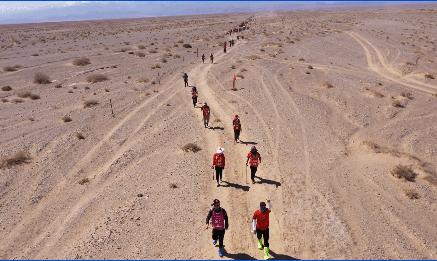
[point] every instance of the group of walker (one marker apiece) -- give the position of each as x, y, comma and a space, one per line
217, 216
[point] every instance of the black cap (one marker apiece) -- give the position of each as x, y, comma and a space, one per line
215, 201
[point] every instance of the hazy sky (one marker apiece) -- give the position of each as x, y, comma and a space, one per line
46, 11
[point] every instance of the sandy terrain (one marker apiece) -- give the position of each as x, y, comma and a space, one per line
341, 104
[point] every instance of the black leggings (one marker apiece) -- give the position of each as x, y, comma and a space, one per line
194, 100
218, 235
236, 135
186, 82
265, 234
252, 172
218, 173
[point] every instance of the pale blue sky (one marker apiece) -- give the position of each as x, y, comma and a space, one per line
47, 11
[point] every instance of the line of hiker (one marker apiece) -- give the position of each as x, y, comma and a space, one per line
219, 220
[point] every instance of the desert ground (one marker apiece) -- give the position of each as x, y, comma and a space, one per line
341, 104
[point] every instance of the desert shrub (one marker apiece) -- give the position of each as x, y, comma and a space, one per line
301, 60
27, 94
143, 80
181, 41
90, 103
153, 51
407, 95
156, 66
81, 61
429, 76
66, 118
140, 54
57, 86
173, 186
240, 76
253, 57
176, 56
80, 136
84, 181
95, 78
191, 147
397, 104
141, 47
233, 67
187, 45
41, 78
6, 88
163, 60
11, 68
327, 85
404, 172
17, 100
18, 158
310, 67
412, 194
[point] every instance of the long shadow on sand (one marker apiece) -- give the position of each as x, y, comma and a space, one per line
216, 128
234, 185
238, 256
282, 257
248, 142
268, 181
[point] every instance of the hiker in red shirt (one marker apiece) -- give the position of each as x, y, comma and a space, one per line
237, 128
206, 112
253, 159
194, 95
260, 226
218, 161
219, 223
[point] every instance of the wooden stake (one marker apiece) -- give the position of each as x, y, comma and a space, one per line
112, 110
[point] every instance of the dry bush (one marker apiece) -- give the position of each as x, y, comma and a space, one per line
412, 194
181, 41
240, 76
310, 67
140, 54
11, 68
81, 61
4, 100
173, 186
253, 57
80, 136
66, 118
397, 104
156, 66
27, 94
17, 100
14, 160
90, 103
243, 70
153, 51
95, 78
6, 88
404, 172
372, 146
233, 67
143, 80
176, 56
84, 181
141, 47
407, 95
163, 60
41, 78
429, 76
187, 45
301, 60
57, 86
191, 147
327, 85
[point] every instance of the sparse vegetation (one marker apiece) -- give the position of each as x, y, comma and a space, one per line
66, 118
90, 103
327, 85
143, 80
18, 158
41, 78
173, 186
95, 78
397, 104
412, 194
11, 68
191, 147
187, 45
404, 172
81, 61
57, 86
156, 66
84, 181
140, 54
429, 76
6, 88
239, 75
407, 95
27, 94
141, 47
80, 136
253, 57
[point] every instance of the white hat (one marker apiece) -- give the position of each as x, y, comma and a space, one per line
220, 150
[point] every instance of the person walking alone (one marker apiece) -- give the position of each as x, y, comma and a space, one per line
206, 113
253, 159
237, 128
224, 47
203, 58
219, 222
211, 58
218, 162
194, 95
260, 227
185, 77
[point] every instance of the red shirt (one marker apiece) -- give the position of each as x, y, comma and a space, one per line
218, 160
205, 110
237, 124
254, 161
262, 219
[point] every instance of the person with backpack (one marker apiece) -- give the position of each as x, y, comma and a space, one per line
185, 77
237, 128
260, 227
254, 159
203, 58
219, 223
194, 95
218, 162
206, 113
211, 58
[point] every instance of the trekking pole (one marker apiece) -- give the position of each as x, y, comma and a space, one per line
212, 174
112, 111
246, 174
